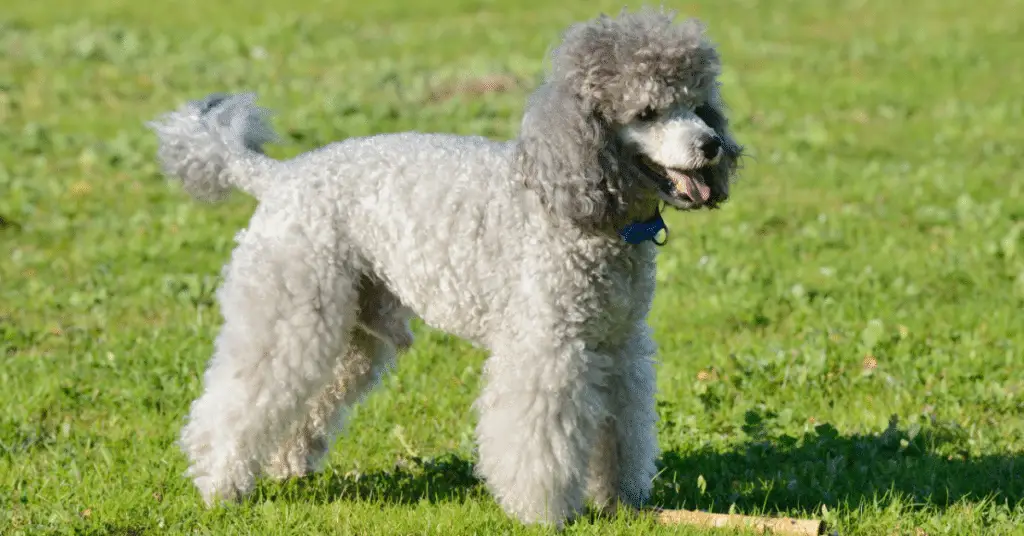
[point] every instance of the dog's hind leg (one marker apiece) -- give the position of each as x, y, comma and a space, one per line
383, 332
367, 360
289, 302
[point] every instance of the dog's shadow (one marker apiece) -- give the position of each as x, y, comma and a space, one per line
447, 478
925, 468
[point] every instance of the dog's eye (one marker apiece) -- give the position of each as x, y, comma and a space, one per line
648, 114
707, 114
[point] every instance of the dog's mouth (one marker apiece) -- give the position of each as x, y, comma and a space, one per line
684, 189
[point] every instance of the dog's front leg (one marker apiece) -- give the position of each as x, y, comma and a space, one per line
539, 413
623, 465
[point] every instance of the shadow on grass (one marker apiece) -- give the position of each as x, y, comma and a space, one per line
782, 473
447, 478
926, 468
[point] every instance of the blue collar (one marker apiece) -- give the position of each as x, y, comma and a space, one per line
642, 231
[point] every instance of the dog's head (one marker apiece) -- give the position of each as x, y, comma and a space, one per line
630, 115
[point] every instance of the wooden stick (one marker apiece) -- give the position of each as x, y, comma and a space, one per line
761, 525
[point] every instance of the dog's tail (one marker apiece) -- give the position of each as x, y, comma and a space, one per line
216, 144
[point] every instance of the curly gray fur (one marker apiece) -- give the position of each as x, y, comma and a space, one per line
604, 73
202, 142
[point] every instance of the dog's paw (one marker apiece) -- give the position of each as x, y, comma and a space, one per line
220, 491
531, 511
225, 482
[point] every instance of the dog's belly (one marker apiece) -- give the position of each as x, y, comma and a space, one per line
459, 287
447, 302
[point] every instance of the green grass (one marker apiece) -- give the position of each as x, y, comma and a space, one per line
881, 214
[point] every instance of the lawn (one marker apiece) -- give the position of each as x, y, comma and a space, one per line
844, 340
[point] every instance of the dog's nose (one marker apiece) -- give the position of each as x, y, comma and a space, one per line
711, 147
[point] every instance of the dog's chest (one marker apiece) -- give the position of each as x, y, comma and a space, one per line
615, 292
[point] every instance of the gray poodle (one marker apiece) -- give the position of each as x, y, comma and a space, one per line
541, 250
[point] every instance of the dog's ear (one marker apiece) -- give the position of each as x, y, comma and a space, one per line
567, 155
713, 114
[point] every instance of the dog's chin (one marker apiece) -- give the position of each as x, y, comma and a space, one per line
682, 189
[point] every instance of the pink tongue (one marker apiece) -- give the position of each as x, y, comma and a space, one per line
703, 193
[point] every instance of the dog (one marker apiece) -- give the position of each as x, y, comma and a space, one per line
540, 250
